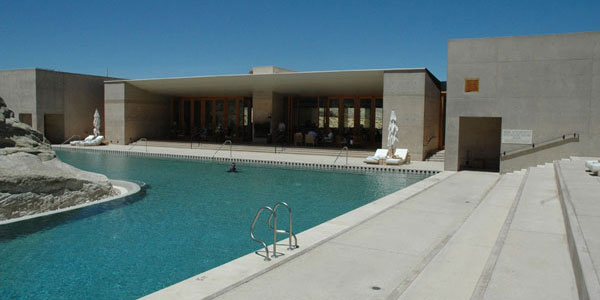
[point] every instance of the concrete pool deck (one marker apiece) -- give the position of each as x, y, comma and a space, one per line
252, 153
530, 234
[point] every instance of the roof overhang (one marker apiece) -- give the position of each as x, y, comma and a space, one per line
349, 82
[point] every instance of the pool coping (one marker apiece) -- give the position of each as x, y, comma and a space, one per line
310, 165
223, 278
130, 188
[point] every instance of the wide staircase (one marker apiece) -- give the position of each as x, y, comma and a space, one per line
512, 246
439, 156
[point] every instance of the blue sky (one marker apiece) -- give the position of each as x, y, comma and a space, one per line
148, 39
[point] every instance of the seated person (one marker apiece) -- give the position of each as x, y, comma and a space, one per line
313, 133
232, 169
329, 137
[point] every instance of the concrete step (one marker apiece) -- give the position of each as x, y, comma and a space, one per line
438, 156
454, 273
533, 261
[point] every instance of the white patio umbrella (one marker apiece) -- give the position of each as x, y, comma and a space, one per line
392, 133
96, 123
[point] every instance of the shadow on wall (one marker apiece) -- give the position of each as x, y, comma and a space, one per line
479, 143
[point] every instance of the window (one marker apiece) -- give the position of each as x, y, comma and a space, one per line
365, 113
349, 113
471, 85
379, 114
334, 110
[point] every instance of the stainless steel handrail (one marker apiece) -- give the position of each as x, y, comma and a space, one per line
69, 139
290, 232
274, 232
531, 146
224, 143
339, 153
140, 140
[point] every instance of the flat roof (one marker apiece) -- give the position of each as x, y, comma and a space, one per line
343, 82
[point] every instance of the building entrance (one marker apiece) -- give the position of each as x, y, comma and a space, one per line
213, 119
479, 143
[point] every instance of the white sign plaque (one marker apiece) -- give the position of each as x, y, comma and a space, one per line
517, 136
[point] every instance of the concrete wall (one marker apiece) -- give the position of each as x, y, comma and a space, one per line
133, 113
415, 100
83, 94
549, 84
146, 114
17, 88
44, 92
50, 95
431, 116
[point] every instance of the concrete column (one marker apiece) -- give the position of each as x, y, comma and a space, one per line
114, 112
262, 108
404, 93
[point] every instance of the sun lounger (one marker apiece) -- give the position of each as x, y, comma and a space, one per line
595, 168
79, 143
95, 142
588, 164
400, 157
379, 157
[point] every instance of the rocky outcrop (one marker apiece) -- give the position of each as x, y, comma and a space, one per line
33, 180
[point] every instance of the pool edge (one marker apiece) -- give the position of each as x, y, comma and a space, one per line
131, 188
221, 279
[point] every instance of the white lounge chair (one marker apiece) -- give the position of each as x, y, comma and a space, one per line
401, 156
595, 168
79, 143
379, 157
589, 163
95, 142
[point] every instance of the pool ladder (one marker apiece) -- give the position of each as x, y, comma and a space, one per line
273, 226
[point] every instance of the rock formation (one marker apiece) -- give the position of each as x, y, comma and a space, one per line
33, 180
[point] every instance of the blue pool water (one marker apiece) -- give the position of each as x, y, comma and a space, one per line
194, 216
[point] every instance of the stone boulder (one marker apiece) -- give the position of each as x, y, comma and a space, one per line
33, 180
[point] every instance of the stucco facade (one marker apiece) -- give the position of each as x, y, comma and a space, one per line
549, 84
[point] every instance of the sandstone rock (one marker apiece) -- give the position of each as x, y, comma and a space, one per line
33, 180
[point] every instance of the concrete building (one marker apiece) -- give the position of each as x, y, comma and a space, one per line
58, 104
272, 104
515, 102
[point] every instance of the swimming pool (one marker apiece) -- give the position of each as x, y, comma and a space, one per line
194, 216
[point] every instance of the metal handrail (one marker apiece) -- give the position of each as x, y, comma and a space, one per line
69, 139
563, 137
290, 232
226, 142
140, 140
274, 232
339, 153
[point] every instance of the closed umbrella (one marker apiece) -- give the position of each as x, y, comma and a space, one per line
96, 123
392, 133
